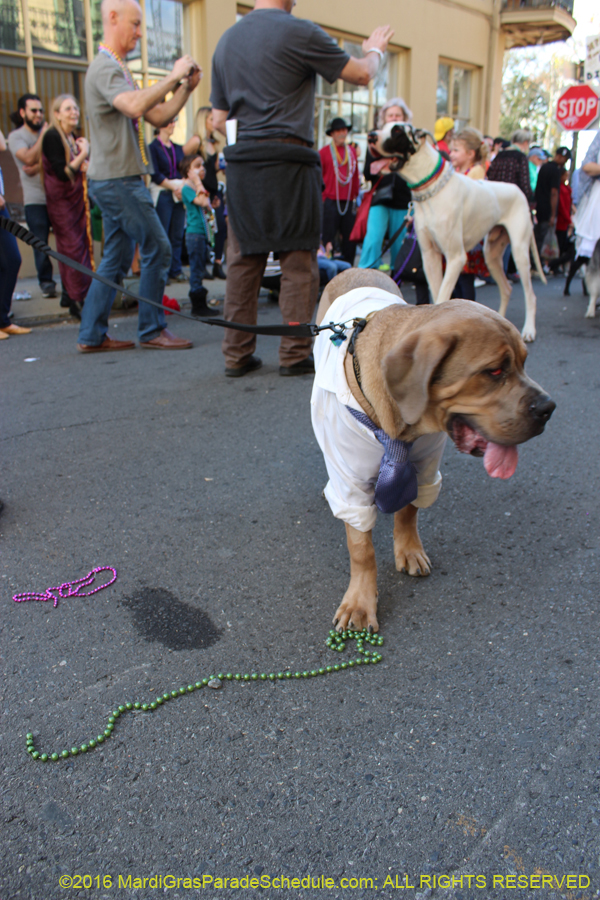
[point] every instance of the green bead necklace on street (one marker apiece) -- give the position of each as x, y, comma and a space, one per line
335, 641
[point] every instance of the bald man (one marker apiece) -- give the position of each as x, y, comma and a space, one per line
119, 159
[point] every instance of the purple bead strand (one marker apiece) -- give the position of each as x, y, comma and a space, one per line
70, 588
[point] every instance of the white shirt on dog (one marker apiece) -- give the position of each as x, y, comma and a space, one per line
352, 452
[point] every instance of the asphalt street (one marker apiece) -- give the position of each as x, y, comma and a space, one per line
465, 764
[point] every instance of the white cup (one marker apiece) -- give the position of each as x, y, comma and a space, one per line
231, 129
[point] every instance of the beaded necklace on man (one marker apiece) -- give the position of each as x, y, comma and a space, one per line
139, 122
341, 179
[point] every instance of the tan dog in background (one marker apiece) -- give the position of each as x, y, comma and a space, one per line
455, 368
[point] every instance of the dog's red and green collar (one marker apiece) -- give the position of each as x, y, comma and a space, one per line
433, 176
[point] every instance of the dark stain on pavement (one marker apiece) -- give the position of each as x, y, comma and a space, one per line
159, 616
52, 813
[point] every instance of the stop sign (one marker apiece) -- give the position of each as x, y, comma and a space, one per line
577, 107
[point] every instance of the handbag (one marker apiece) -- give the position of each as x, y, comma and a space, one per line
359, 229
385, 193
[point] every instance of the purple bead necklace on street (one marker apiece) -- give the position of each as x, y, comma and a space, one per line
70, 588
335, 641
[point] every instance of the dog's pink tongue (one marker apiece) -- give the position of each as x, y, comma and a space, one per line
499, 461
378, 164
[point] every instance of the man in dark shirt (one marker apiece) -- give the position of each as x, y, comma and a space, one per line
547, 191
264, 72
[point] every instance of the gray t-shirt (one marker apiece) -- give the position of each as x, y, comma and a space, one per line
264, 71
114, 147
33, 189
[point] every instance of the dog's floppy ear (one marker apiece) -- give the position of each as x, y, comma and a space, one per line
421, 133
409, 368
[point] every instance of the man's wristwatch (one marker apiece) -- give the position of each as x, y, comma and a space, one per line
377, 50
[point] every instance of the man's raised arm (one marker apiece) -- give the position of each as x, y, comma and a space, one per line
361, 71
143, 102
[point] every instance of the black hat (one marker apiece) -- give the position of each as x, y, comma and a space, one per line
337, 124
563, 151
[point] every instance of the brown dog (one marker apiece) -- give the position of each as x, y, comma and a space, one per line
417, 371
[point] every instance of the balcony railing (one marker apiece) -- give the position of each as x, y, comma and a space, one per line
54, 33
515, 5
165, 32
11, 28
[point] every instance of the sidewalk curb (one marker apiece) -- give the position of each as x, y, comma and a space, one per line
67, 319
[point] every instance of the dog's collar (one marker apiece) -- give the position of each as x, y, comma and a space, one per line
430, 186
359, 325
431, 177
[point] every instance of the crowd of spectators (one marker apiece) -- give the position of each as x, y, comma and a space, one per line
53, 167
185, 212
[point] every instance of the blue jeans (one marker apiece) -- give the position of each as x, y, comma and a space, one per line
382, 220
36, 216
331, 267
196, 248
10, 263
129, 218
172, 219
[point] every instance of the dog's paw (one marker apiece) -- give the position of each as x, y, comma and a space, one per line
591, 313
355, 614
528, 335
413, 561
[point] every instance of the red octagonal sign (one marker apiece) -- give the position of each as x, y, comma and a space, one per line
577, 107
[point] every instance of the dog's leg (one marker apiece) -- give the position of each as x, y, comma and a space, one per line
493, 251
358, 609
454, 265
432, 263
520, 252
591, 310
408, 550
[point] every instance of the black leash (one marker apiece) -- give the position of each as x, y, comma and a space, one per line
386, 246
292, 330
